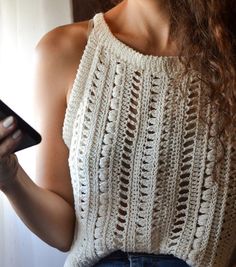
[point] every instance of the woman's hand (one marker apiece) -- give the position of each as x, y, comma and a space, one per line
10, 137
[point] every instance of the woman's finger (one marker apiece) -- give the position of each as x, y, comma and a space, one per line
9, 144
7, 126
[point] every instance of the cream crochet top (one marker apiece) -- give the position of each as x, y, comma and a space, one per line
141, 162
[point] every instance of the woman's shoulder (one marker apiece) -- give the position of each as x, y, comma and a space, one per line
66, 39
60, 51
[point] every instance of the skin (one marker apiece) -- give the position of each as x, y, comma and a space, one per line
46, 206
137, 20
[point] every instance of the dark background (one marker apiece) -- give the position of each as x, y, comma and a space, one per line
86, 9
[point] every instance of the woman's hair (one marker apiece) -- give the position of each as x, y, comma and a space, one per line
205, 32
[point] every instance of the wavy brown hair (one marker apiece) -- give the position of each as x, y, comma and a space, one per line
208, 29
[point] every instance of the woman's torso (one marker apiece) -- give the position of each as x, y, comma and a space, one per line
141, 162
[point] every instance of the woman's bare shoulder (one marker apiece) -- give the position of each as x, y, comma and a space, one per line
66, 39
60, 51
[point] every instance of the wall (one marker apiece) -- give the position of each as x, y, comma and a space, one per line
22, 24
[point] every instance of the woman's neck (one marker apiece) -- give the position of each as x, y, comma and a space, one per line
145, 19
148, 12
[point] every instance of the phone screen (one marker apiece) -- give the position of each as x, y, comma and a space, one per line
30, 136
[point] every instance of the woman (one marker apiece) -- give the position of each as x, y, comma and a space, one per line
148, 125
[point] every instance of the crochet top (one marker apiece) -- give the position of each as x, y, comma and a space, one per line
141, 161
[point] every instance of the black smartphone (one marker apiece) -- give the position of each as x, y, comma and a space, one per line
30, 136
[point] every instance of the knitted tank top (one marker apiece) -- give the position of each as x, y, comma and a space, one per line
141, 162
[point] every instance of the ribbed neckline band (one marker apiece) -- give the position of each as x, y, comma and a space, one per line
128, 54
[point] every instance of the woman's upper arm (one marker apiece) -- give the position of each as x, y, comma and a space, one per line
57, 57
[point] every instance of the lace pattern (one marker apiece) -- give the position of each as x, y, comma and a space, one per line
142, 162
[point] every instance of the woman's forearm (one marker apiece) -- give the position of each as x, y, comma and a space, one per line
47, 214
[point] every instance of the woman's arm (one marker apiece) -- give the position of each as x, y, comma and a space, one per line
47, 214
47, 207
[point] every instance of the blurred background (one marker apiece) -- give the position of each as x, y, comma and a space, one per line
22, 24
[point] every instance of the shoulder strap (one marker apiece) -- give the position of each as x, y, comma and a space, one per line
90, 27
